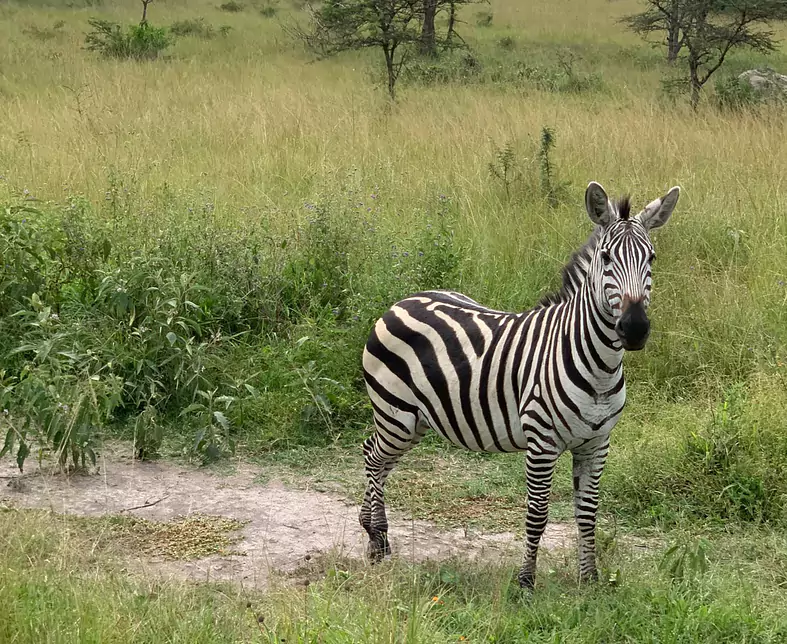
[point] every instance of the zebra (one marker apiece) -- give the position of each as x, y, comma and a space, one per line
543, 381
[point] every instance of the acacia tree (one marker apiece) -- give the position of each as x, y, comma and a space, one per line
389, 25
431, 9
660, 16
428, 43
709, 29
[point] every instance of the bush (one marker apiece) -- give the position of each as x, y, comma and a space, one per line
732, 94
46, 33
484, 18
225, 328
138, 42
729, 469
231, 6
268, 10
196, 27
507, 42
459, 68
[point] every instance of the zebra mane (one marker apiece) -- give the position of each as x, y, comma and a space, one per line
576, 270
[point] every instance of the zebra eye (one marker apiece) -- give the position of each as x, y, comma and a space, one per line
605, 257
652, 258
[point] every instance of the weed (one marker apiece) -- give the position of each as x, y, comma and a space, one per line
505, 167
686, 561
552, 190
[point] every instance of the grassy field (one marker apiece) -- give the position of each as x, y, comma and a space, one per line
216, 231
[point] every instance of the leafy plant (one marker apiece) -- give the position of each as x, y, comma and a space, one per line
62, 395
213, 438
686, 561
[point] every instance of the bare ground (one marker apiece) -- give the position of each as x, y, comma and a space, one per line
286, 527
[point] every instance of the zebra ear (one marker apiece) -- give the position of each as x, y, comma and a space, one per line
658, 211
597, 205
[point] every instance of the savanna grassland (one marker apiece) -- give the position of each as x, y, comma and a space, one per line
195, 248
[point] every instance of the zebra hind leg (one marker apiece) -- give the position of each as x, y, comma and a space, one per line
381, 452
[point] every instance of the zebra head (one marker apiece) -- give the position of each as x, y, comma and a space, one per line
620, 269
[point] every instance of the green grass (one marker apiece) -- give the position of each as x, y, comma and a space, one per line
63, 582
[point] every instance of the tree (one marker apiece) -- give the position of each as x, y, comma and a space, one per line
660, 16
145, 4
428, 32
709, 29
345, 25
397, 27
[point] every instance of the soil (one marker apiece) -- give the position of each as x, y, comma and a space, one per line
286, 530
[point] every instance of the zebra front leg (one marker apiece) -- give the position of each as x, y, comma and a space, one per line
540, 467
589, 460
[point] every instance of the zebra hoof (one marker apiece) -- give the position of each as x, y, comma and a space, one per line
526, 580
589, 577
378, 548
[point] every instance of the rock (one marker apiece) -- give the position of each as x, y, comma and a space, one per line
765, 81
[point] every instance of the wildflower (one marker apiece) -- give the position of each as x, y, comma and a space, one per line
462, 638
435, 599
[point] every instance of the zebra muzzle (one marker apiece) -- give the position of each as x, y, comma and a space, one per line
633, 326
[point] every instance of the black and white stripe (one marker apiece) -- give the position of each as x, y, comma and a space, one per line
541, 382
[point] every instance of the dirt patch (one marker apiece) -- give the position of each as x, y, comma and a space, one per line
283, 528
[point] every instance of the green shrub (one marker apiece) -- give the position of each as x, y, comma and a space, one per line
484, 18
732, 94
154, 328
138, 42
268, 10
196, 27
730, 469
231, 6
